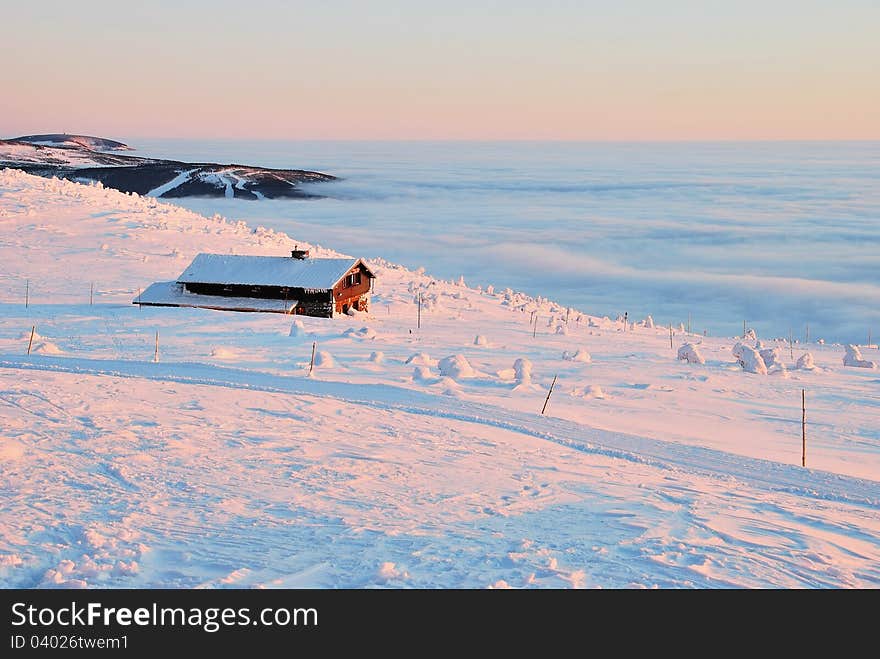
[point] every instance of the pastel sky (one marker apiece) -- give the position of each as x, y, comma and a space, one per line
340, 69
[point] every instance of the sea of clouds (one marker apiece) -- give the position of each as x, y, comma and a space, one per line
778, 234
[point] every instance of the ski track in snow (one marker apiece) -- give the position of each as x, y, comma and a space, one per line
756, 473
170, 185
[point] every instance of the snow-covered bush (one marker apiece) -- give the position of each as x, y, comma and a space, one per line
805, 362
750, 359
689, 353
522, 370
853, 357
580, 355
421, 359
455, 367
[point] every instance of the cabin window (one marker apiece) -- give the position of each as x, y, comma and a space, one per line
353, 279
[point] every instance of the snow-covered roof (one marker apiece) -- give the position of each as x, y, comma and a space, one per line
172, 294
266, 271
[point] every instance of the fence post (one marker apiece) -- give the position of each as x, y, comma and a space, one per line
803, 427
312, 363
31, 341
547, 400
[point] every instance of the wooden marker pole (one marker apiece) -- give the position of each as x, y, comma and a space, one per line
31, 342
27, 292
670, 337
156, 354
91, 293
535, 329
744, 328
312, 363
803, 427
419, 320
790, 343
547, 400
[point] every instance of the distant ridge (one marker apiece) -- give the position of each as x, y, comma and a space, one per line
86, 158
87, 141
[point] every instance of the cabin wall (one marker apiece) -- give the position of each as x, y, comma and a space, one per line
346, 295
311, 302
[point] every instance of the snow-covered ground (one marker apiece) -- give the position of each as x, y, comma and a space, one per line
413, 456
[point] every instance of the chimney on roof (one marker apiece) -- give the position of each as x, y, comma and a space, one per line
297, 253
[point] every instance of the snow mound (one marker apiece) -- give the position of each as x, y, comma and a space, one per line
324, 359
421, 359
750, 359
297, 329
362, 333
422, 374
388, 571
456, 367
853, 357
26, 336
690, 354
648, 322
589, 391
580, 355
224, 353
805, 362
522, 371
480, 340
47, 348
377, 357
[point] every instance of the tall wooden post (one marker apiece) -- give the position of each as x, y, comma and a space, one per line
91, 293
419, 320
670, 337
790, 343
547, 400
27, 292
744, 328
312, 363
156, 354
31, 341
803, 427
535, 328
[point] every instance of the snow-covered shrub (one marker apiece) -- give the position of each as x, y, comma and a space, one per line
805, 362
324, 359
591, 391
455, 367
689, 353
421, 359
362, 333
853, 357
422, 373
750, 359
297, 328
580, 355
522, 371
